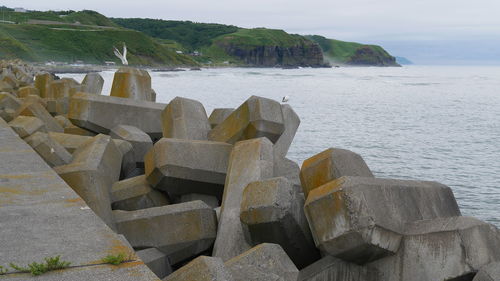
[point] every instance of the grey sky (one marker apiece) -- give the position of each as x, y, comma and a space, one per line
391, 22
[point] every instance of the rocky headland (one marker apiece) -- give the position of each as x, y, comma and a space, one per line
120, 187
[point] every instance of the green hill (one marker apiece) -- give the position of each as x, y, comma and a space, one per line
86, 36
220, 44
352, 53
190, 35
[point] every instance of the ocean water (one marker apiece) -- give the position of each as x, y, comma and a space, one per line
418, 122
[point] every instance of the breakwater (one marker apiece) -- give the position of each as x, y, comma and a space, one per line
201, 195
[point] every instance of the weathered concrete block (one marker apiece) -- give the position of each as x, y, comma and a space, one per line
202, 268
273, 211
156, 261
284, 167
5, 87
218, 115
102, 113
63, 121
442, 249
263, 262
332, 269
92, 83
51, 151
9, 101
361, 219
135, 194
141, 142
27, 125
95, 167
490, 272
132, 83
35, 99
292, 122
187, 166
60, 88
256, 117
42, 82
69, 141
194, 231
69, 128
28, 90
329, 165
9, 104
37, 110
250, 161
185, 119
128, 159
210, 200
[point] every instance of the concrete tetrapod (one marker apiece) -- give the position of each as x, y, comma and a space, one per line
185, 119
180, 167
28, 90
330, 268
27, 125
218, 115
490, 272
135, 194
331, 164
202, 268
42, 82
449, 249
95, 167
273, 211
181, 230
102, 113
256, 117
37, 110
292, 122
261, 263
141, 142
156, 261
361, 219
92, 83
51, 151
250, 161
284, 167
132, 83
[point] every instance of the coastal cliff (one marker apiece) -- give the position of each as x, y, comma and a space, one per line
270, 48
352, 53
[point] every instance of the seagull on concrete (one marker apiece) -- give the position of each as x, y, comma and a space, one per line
121, 56
285, 99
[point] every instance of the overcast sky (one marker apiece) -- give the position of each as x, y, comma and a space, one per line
397, 24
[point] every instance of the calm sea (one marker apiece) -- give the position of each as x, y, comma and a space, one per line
417, 122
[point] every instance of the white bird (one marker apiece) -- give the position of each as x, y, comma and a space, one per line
121, 56
285, 99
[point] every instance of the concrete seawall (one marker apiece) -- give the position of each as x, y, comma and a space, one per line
41, 216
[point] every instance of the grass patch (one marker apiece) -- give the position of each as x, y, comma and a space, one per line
50, 264
115, 259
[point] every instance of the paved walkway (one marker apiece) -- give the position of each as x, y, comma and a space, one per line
41, 216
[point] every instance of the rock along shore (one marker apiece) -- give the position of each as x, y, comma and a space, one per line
184, 195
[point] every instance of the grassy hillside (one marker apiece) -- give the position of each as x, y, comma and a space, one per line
190, 35
337, 51
85, 17
67, 43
